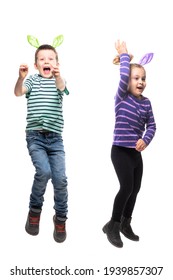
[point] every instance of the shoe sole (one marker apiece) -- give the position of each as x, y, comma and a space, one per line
129, 237
31, 233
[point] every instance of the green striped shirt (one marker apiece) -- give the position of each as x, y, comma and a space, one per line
44, 104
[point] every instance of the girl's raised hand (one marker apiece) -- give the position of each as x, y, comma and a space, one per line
121, 47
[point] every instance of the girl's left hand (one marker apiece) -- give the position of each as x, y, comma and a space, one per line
140, 145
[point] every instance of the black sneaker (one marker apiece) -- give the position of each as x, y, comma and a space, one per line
59, 233
32, 223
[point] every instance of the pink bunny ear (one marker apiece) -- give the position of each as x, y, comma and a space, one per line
146, 58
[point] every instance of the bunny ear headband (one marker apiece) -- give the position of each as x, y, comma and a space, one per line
144, 60
33, 41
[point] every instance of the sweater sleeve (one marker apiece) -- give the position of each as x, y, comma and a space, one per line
124, 76
150, 126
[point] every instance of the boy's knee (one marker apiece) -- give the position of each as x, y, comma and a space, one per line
60, 180
45, 174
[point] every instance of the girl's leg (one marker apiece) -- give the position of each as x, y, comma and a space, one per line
138, 171
125, 227
123, 165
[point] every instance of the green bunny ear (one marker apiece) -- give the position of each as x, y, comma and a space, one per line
58, 41
33, 41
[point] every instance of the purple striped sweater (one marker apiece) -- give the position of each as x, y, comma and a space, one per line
134, 117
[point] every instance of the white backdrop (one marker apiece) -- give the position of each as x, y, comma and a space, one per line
90, 29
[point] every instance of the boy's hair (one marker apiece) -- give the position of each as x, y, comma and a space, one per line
46, 47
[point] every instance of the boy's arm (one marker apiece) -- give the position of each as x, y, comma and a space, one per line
19, 89
60, 83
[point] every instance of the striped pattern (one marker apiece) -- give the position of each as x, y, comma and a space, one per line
44, 104
134, 117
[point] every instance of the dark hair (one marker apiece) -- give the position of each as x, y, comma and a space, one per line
45, 47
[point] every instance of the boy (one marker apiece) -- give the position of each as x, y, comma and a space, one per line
44, 92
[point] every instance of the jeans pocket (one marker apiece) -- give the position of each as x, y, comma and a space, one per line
30, 138
58, 138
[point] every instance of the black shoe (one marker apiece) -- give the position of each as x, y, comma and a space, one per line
32, 223
126, 229
112, 229
59, 233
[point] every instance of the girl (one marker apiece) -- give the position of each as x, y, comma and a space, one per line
134, 129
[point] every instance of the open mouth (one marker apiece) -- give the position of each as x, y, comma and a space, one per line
47, 70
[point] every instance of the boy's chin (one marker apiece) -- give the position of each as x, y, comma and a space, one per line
48, 76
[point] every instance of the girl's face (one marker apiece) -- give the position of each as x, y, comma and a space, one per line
46, 60
137, 81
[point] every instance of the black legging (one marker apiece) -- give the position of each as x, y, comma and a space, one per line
128, 165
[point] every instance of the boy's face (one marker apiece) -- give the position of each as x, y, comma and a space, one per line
46, 60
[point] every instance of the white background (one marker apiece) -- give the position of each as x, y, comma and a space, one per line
90, 29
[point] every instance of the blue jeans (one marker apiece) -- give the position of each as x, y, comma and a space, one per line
48, 157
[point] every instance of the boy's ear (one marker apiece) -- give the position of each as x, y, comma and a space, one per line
35, 65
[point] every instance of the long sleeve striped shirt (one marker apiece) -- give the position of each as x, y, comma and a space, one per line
134, 117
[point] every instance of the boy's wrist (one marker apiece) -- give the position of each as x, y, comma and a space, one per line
59, 79
21, 79
60, 83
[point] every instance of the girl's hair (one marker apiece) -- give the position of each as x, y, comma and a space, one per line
46, 47
137, 65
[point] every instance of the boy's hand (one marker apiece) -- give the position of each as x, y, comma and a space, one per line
23, 71
140, 145
56, 71
59, 80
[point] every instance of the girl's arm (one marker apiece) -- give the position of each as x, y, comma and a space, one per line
124, 68
150, 127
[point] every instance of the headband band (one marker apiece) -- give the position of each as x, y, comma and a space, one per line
144, 60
